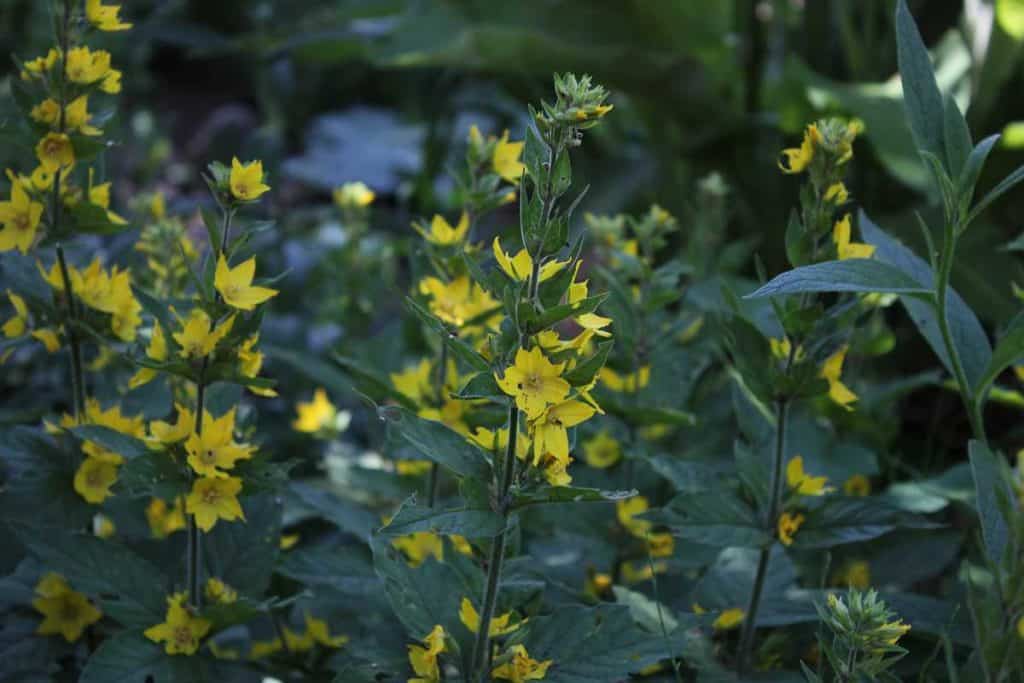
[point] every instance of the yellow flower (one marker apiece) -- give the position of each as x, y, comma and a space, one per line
65, 612
729, 619
218, 591
318, 631
894, 630
265, 648
588, 321
630, 383
499, 626
77, 117
797, 159
111, 83
661, 545
638, 572
520, 266
94, 478
837, 193
497, 441
803, 483
353, 196
214, 498
235, 284
164, 522
423, 658
1020, 627
47, 111
246, 181
420, 545
100, 196
196, 338
857, 485
155, 350
115, 420
781, 349
48, 338
412, 468
521, 667
181, 631
288, 541
17, 324
55, 151
315, 415
458, 301
534, 381
166, 433
602, 451
20, 219
415, 382
250, 362
831, 371
844, 247
441, 231
550, 430
555, 469
788, 525
215, 449
104, 17
85, 66
856, 574
506, 159
627, 510
36, 67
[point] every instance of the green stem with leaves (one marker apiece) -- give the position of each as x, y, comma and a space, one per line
775, 497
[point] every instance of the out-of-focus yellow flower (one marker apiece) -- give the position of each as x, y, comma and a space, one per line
181, 630
788, 525
521, 667
94, 478
602, 450
35, 68
506, 159
316, 415
164, 521
65, 612
500, 626
246, 180
729, 619
831, 371
441, 231
855, 574
156, 350
420, 545
105, 17
167, 433
627, 511
629, 383
803, 483
353, 196
857, 485
458, 301
218, 591
837, 193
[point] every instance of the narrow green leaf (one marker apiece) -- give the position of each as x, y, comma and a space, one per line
957, 137
850, 275
972, 167
1009, 349
1007, 184
584, 373
466, 353
987, 479
921, 97
568, 494
437, 442
468, 522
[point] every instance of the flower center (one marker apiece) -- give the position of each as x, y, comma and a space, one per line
532, 383
182, 636
21, 222
69, 611
211, 496
242, 189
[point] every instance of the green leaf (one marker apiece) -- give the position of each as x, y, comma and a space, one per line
1004, 186
968, 335
482, 385
536, 154
130, 589
348, 573
568, 494
463, 351
647, 416
957, 137
921, 97
719, 519
841, 520
972, 169
469, 522
130, 657
648, 614
584, 373
243, 554
112, 440
343, 514
437, 442
93, 219
988, 481
1009, 349
849, 275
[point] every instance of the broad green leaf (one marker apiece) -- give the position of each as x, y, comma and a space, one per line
719, 519
345, 515
584, 373
568, 494
130, 657
242, 554
129, 588
437, 442
647, 614
921, 97
113, 440
482, 385
687, 476
39, 469
988, 486
850, 275
968, 335
347, 571
841, 520
463, 351
469, 522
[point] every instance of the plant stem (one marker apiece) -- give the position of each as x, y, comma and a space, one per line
497, 557
775, 496
434, 482
195, 548
942, 278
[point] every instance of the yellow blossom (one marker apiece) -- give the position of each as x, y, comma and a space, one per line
316, 415
103, 526
48, 338
318, 631
288, 541
458, 301
415, 382
85, 66
181, 630
630, 383
218, 591
520, 266
100, 196
420, 545
729, 619
250, 362
196, 338
788, 525
65, 612
797, 159
588, 321
627, 511
214, 498
856, 574
215, 450
235, 284
506, 159
602, 450
111, 83
803, 483
246, 180
550, 430
94, 478
36, 67
163, 521
661, 545
423, 658
782, 348
831, 371
496, 441
534, 381
156, 350
17, 324
104, 17
857, 485
844, 247
441, 231
837, 193
19, 217
77, 117
500, 626
47, 111
353, 196
167, 433
521, 667
114, 419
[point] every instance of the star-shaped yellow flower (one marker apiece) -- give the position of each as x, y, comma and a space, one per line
315, 415
551, 430
214, 498
441, 231
20, 219
94, 478
788, 525
181, 630
104, 17
803, 483
215, 449
520, 266
65, 611
235, 284
506, 159
246, 180
534, 382
198, 338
